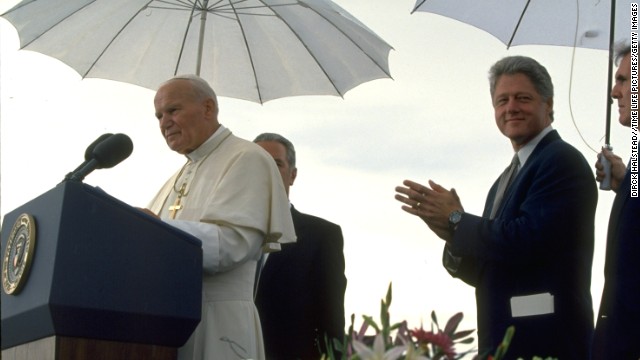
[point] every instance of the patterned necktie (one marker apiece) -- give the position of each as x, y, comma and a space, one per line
505, 180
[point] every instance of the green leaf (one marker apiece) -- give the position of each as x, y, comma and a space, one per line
384, 313
434, 319
452, 324
504, 346
369, 320
466, 341
389, 295
462, 334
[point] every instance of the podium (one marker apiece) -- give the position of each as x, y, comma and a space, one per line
103, 281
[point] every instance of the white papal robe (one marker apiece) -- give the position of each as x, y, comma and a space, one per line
236, 204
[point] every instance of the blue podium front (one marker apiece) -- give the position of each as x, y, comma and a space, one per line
100, 269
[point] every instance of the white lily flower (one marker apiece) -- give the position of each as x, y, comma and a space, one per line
378, 352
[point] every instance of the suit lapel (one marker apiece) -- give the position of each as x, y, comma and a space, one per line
549, 138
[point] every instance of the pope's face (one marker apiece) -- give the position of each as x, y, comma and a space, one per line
520, 111
621, 91
185, 119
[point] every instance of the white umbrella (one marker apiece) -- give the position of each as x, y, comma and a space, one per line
580, 23
257, 50
576, 23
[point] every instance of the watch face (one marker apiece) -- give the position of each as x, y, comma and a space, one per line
455, 217
18, 254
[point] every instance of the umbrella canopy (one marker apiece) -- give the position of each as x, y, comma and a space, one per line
256, 50
593, 24
580, 23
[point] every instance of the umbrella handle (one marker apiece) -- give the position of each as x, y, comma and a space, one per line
612, 30
605, 184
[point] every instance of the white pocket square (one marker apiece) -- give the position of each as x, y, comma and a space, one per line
536, 304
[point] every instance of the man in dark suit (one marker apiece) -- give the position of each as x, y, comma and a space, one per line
300, 292
529, 255
617, 334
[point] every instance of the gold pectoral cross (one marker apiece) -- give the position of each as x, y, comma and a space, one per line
173, 209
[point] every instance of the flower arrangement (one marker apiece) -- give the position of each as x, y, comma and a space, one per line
397, 342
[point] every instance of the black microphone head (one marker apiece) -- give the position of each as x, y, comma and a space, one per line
111, 151
88, 154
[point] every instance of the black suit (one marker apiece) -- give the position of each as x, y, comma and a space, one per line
618, 327
300, 294
541, 241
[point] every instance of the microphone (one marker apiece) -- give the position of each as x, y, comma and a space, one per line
112, 151
88, 154
106, 154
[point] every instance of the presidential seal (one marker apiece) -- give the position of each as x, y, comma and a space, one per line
18, 254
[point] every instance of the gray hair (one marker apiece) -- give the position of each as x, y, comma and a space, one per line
288, 145
537, 74
620, 51
200, 86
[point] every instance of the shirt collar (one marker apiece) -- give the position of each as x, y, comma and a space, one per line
206, 146
527, 150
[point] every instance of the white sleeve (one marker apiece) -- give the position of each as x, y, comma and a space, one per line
223, 248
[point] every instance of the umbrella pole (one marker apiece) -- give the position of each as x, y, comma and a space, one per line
605, 184
607, 133
203, 20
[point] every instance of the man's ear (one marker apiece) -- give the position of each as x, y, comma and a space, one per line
550, 108
294, 173
211, 106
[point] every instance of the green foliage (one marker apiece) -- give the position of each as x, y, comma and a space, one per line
395, 340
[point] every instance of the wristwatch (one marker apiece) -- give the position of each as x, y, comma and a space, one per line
454, 218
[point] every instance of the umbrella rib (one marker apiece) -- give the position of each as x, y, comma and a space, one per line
52, 26
114, 38
244, 38
513, 35
17, 7
417, 6
229, 13
184, 38
315, 59
219, 6
176, 3
359, 47
346, 36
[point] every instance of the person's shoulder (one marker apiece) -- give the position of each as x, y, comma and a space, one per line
316, 230
558, 158
555, 147
316, 220
243, 143
248, 148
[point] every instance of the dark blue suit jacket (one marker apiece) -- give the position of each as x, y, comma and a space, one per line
300, 295
618, 326
541, 241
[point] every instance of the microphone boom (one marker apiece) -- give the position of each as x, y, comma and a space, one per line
105, 152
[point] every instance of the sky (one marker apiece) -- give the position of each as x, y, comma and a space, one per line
433, 120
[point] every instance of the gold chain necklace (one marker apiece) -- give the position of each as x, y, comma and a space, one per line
181, 192
183, 188
177, 206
